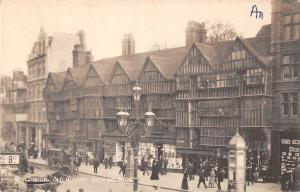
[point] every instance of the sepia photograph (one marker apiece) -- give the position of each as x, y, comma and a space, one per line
149, 96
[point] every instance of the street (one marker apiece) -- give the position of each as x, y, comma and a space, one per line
110, 180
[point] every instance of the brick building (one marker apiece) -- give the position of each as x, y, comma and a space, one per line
201, 94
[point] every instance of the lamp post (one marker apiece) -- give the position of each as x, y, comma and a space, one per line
135, 129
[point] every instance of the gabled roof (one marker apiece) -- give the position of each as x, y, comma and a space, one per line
168, 60
91, 67
209, 53
78, 74
104, 69
222, 49
259, 47
265, 30
58, 79
132, 67
133, 64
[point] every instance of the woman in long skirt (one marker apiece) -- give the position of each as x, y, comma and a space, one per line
155, 170
184, 184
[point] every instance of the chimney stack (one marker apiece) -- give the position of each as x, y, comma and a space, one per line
79, 56
89, 57
128, 44
81, 35
195, 33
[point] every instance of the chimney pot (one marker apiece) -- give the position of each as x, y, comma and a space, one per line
128, 44
195, 32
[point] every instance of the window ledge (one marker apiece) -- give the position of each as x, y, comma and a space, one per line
288, 80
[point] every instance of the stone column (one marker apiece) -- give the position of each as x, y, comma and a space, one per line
40, 140
190, 124
237, 164
27, 137
130, 160
18, 135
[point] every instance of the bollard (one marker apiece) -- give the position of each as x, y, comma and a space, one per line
68, 190
80, 190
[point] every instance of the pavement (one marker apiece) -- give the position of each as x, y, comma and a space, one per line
170, 182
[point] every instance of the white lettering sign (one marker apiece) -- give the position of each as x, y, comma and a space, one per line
9, 159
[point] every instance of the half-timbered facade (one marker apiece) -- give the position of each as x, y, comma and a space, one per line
201, 95
220, 89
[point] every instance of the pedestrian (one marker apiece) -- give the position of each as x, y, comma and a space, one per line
155, 170
190, 170
120, 165
166, 162
110, 161
124, 165
220, 177
249, 175
86, 157
184, 184
96, 165
105, 162
202, 178
290, 183
212, 178
144, 166
159, 165
72, 168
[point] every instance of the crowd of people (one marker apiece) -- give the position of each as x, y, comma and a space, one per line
290, 180
207, 172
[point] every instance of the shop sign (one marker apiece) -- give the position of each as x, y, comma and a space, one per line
289, 150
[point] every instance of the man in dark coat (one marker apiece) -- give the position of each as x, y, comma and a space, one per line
191, 171
124, 165
220, 176
96, 165
201, 178
184, 184
110, 161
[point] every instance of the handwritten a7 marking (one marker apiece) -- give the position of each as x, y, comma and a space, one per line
258, 14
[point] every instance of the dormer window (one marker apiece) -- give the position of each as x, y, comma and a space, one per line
237, 55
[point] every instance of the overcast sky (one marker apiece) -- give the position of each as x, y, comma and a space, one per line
104, 21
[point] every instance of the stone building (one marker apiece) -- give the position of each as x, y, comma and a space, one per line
48, 54
13, 108
285, 49
201, 94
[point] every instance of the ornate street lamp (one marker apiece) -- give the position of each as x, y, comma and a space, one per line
122, 120
135, 129
137, 90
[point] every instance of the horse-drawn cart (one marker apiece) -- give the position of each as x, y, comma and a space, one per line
57, 158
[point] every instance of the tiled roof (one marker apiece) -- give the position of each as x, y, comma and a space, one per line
133, 64
260, 47
79, 73
217, 53
104, 69
209, 53
167, 61
265, 30
58, 79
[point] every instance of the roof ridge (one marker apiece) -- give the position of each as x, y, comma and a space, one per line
141, 53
